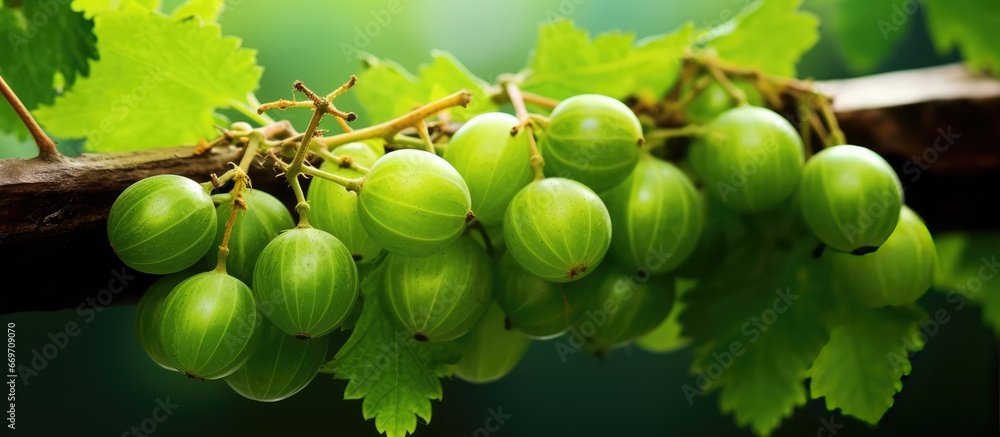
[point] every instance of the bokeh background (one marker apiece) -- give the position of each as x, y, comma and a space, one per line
102, 383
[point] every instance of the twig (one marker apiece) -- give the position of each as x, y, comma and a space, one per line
536, 162
46, 147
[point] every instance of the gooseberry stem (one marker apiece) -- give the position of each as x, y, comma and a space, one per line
536, 99
536, 161
425, 136
46, 147
836, 135
239, 204
738, 94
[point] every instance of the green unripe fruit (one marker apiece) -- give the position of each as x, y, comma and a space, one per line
617, 305
850, 198
263, 220
209, 325
413, 203
494, 164
593, 139
656, 215
334, 209
279, 367
898, 273
438, 297
162, 224
306, 282
148, 313
714, 99
749, 158
533, 305
490, 350
557, 229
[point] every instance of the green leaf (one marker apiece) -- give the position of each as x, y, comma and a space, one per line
859, 370
396, 375
206, 10
138, 98
566, 62
863, 42
667, 337
970, 25
770, 34
757, 328
387, 90
94, 7
968, 271
55, 41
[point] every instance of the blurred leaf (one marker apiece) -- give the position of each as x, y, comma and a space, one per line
138, 98
967, 271
207, 10
94, 7
396, 375
61, 44
770, 34
970, 25
868, 30
566, 62
859, 370
757, 328
387, 90
667, 337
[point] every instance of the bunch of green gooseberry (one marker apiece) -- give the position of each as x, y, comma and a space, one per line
535, 265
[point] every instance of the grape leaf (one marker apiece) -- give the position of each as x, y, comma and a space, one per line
968, 272
56, 40
137, 98
395, 375
206, 10
566, 62
667, 337
770, 34
971, 26
387, 90
757, 328
94, 7
865, 43
859, 370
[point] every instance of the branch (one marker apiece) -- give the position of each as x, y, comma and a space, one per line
46, 147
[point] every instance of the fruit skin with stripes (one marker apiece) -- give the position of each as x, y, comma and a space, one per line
657, 216
279, 367
264, 218
209, 325
490, 350
898, 273
749, 158
557, 229
335, 209
493, 163
148, 312
593, 139
851, 198
533, 305
162, 224
441, 296
413, 203
306, 282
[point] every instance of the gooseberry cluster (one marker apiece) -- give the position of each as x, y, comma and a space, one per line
487, 246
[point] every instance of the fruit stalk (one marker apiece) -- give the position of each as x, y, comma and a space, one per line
239, 204
46, 147
517, 99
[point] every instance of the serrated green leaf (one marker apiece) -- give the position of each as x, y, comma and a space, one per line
94, 7
137, 98
206, 10
859, 369
757, 329
868, 30
770, 34
396, 375
566, 62
970, 25
667, 337
387, 90
968, 270
60, 42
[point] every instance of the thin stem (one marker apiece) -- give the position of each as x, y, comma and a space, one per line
343, 88
347, 183
517, 99
536, 161
295, 168
408, 142
390, 128
689, 130
738, 94
536, 99
805, 129
46, 147
246, 108
239, 204
425, 136
836, 135
817, 125
256, 138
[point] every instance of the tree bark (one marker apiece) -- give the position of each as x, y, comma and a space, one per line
939, 127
